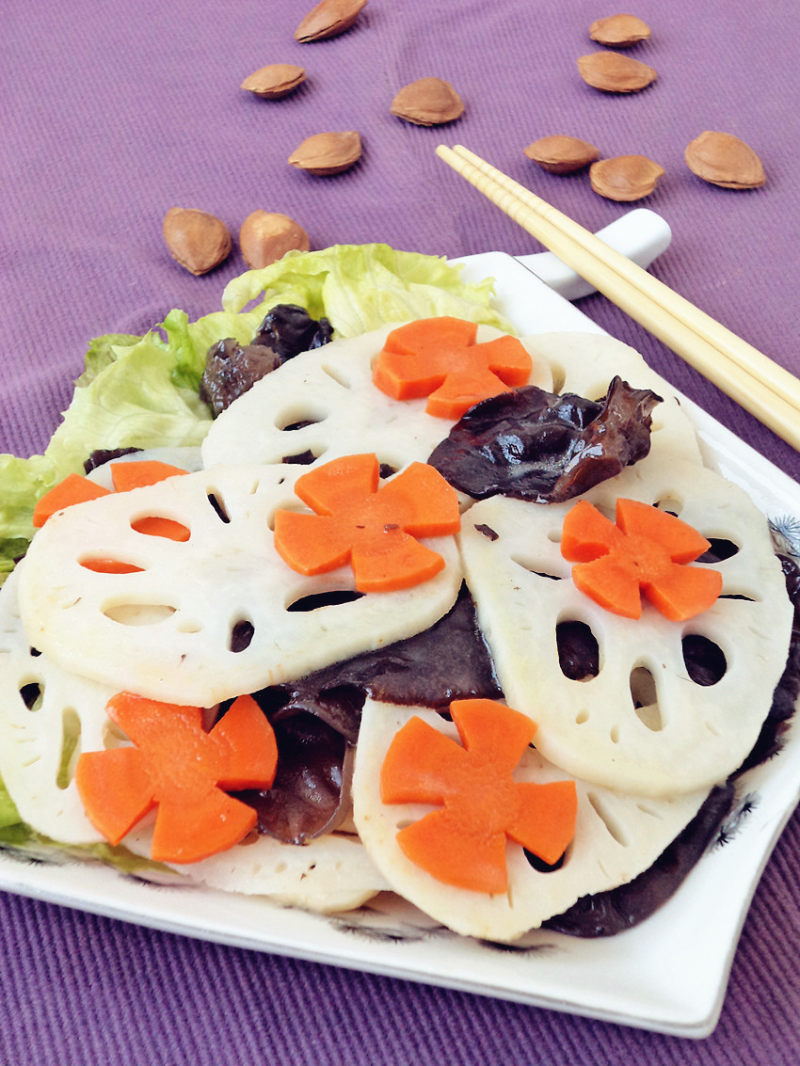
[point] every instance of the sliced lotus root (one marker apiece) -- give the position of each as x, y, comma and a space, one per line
48, 717
616, 838
323, 404
329, 874
635, 720
199, 620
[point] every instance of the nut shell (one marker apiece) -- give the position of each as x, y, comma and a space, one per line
625, 177
266, 236
199, 241
327, 153
274, 81
613, 73
428, 102
328, 19
561, 154
724, 160
619, 31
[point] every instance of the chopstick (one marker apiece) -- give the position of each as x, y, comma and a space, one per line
759, 385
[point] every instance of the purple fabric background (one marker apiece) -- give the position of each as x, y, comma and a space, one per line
112, 113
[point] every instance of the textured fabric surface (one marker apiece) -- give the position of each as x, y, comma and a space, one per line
112, 113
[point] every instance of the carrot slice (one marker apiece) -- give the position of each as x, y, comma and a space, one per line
373, 527
141, 472
330, 487
181, 770
440, 358
156, 526
73, 489
480, 806
646, 552
99, 565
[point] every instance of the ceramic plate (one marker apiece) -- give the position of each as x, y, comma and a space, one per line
669, 974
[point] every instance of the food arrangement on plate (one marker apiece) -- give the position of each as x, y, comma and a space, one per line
390, 600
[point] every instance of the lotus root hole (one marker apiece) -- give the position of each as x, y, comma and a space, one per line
297, 417
113, 736
303, 458
70, 747
543, 867
536, 567
158, 526
242, 633
218, 506
670, 504
704, 660
721, 549
318, 600
645, 699
32, 695
139, 614
559, 377
578, 650
335, 374
103, 565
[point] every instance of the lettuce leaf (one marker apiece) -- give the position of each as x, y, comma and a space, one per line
9, 815
360, 287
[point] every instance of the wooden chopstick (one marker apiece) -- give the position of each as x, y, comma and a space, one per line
758, 384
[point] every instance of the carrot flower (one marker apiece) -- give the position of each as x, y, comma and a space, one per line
439, 358
481, 806
373, 528
177, 767
646, 552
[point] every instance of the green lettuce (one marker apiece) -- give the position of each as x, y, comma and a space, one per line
9, 817
360, 287
142, 392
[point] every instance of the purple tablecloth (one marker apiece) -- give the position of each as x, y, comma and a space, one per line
114, 112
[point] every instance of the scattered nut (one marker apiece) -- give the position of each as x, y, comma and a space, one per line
625, 177
328, 19
267, 236
428, 102
274, 81
619, 31
562, 155
613, 73
197, 240
327, 153
722, 159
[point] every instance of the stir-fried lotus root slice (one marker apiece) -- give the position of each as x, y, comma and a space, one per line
323, 403
616, 837
619, 701
329, 874
47, 717
203, 619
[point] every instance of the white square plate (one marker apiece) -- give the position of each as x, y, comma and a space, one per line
668, 974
